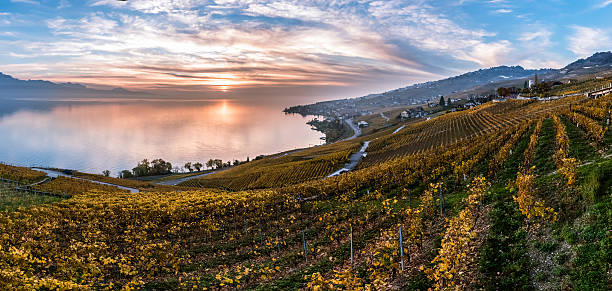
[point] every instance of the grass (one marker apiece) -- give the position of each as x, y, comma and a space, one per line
590, 233
514, 161
543, 160
503, 262
11, 199
580, 147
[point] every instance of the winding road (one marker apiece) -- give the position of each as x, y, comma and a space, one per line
398, 129
355, 128
382, 114
354, 160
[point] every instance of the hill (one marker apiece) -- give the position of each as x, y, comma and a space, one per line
477, 83
16, 88
599, 62
515, 194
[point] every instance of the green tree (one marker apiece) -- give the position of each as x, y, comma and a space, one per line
210, 164
502, 91
160, 167
188, 167
106, 173
125, 174
218, 163
442, 102
142, 169
198, 166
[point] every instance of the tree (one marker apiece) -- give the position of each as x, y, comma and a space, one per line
218, 163
526, 85
502, 91
442, 102
142, 169
197, 166
248, 159
210, 163
188, 166
160, 167
106, 173
125, 174
236, 162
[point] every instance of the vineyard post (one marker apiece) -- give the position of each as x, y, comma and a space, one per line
234, 219
277, 241
305, 250
441, 201
245, 226
351, 245
260, 234
401, 248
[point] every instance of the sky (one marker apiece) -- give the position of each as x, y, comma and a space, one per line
274, 48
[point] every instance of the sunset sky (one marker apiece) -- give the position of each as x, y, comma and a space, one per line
331, 48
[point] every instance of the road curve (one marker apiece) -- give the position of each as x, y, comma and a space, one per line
354, 160
382, 114
355, 128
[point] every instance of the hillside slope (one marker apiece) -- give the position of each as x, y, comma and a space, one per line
481, 82
449, 203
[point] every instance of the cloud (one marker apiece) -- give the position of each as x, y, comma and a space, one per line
503, 11
586, 40
25, 1
604, 4
246, 43
64, 4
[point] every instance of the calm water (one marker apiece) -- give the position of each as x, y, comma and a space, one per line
107, 135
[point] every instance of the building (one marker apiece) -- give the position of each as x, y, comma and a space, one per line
363, 124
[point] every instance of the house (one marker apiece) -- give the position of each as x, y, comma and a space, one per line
363, 124
405, 114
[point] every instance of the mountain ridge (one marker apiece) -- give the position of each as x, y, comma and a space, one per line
14, 87
483, 79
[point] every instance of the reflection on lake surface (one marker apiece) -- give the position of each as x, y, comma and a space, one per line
97, 136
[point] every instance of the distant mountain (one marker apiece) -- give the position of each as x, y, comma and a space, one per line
418, 93
15, 88
7, 81
484, 81
596, 63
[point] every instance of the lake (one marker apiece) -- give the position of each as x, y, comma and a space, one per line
111, 135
